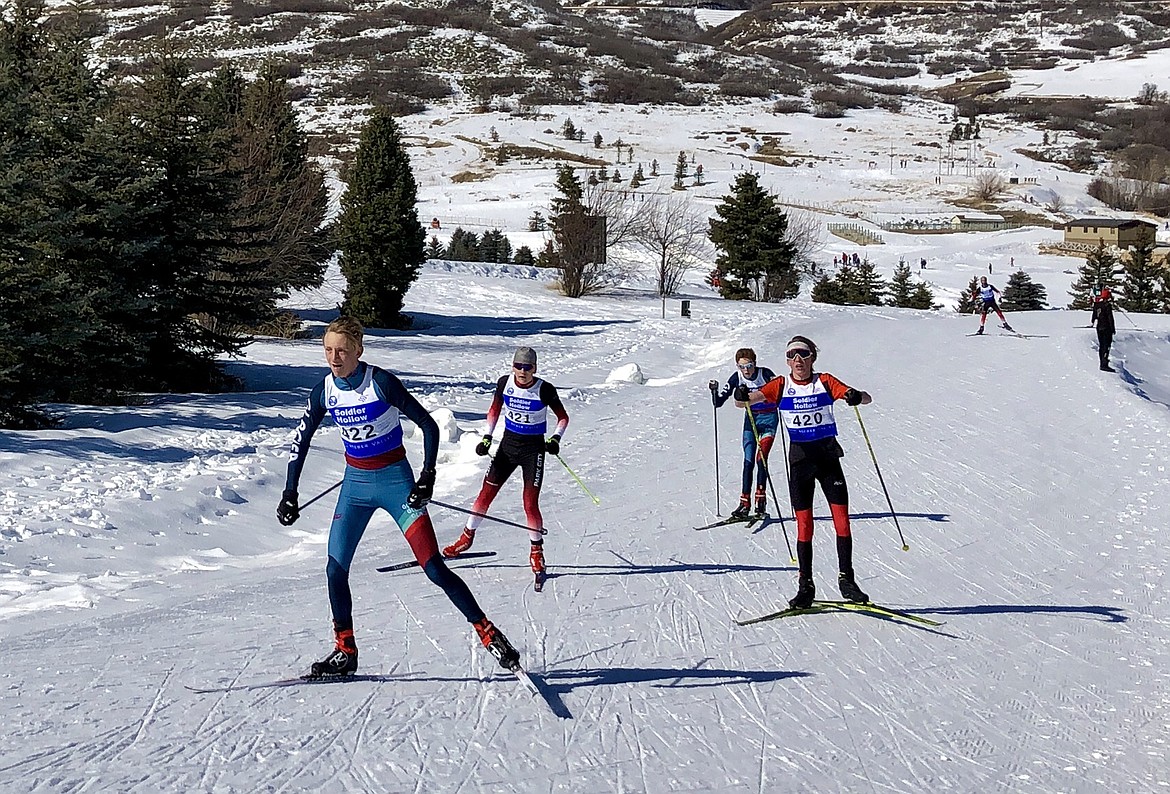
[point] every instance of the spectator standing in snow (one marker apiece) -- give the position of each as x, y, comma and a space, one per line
1103, 320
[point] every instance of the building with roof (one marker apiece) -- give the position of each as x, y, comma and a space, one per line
1119, 232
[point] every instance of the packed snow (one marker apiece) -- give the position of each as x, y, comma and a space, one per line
140, 555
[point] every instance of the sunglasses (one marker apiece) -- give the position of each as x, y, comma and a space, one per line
747, 367
801, 354
525, 367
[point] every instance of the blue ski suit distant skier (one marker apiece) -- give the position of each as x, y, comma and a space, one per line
366, 403
767, 420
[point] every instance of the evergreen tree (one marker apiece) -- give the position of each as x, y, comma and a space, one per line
1099, 271
1139, 280
865, 287
638, 178
967, 303
828, 290
569, 130
901, 286
751, 236
195, 297
537, 222
281, 242
380, 236
680, 170
463, 247
523, 256
495, 247
1023, 295
922, 298
597, 140
434, 249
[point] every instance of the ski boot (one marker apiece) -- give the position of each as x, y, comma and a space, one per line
497, 644
806, 591
761, 502
536, 559
1008, 328
461, 545
745, 508
980, 331
849, 589
342, 660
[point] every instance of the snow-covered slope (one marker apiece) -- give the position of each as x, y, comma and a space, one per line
1031, 487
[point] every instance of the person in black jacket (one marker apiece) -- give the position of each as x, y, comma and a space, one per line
1103, 319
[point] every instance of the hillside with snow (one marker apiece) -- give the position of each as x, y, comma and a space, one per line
140, 556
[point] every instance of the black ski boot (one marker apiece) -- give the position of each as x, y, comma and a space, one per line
806, 591
743, 511
341, 661
849, 589
980, 331
1008, 328
497, 644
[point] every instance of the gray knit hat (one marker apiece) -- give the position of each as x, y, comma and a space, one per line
524, 355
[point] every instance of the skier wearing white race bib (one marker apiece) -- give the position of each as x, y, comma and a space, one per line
986, 293
762, 422
366, 403
806, 408
524, 400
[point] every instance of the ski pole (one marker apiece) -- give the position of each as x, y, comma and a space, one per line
542, 530
573, 474
905, 545
772, 485
1131, 322
715, 413
332, 487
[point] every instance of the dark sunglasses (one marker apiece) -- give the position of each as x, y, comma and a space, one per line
746, 366
525, 367
801, 354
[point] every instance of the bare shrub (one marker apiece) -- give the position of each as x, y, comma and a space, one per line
828, 110
988, 184
1101, 37
673, 231
622, 87
843, 97
789, 106
882, 71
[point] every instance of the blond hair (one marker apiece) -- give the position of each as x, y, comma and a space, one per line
348, 327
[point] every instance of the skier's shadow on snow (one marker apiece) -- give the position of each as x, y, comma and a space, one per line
565, 681
875, 516
1106, 614
712, 569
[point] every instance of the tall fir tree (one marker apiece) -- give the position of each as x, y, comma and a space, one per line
750, 234
463, 246
866, 287
922, 297
1138, 285
828, 290
1099, 272
379, 233
1022, 294
907, 293
967, 303
434, 249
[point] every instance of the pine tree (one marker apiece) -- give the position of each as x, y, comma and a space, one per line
463, 246
638, 178
380, 236
569, 130
523, 256
754, 252
901, 287
1023, 295
680, 170
434, 249
537, 222
866, 287
922, 298
494, 246
828, 290
1099, 271
1139, 280
967, 302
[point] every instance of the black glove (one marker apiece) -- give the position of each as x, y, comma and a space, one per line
423, 490
553, 445
712, 385
853, 397
741, 393
287, 511
485, 446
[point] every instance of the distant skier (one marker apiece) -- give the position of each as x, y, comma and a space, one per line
366, 403
524, 400
767, 421
986, 293
806, 407
1103, 319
